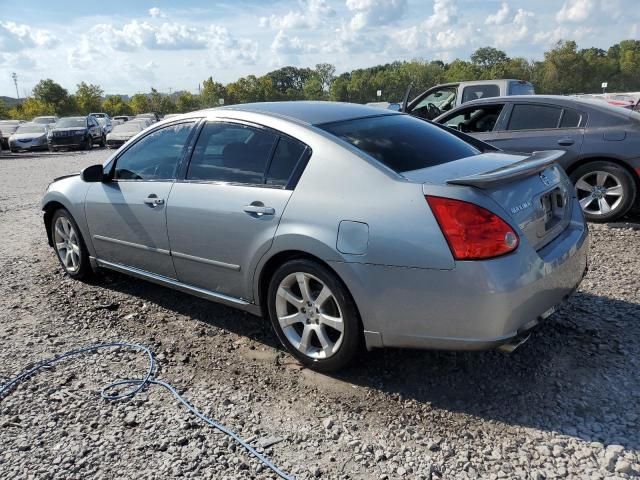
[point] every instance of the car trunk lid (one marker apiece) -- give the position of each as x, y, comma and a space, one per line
532, 190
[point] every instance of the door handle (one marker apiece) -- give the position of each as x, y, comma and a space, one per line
154, 201
259, 210
566, 142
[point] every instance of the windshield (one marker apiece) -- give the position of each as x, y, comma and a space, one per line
79, 122
401, 142
44, 120
128, 127
31, 129
521, 88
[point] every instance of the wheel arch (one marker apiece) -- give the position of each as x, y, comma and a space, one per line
280, 258
49, 209
621, 163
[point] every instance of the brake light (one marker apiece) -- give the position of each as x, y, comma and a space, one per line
472, 232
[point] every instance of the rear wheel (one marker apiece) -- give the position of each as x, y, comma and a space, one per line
69, 245
606, 191
313, 315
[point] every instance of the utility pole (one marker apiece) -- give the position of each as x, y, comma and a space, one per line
14, 75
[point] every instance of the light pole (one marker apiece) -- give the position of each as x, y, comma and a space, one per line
14, 75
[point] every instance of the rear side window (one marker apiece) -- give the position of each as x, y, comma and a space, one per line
285, 158
401, 142
530, 117
234, 153
570, 118
477, 92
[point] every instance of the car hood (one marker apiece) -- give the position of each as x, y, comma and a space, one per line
68, 129
20, 136
120, 136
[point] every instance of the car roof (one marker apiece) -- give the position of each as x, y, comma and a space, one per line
310, 112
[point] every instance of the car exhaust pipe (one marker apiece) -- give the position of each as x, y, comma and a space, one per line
513, 344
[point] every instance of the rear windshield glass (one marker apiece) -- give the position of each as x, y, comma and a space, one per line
71, 122
127, 127
401, 142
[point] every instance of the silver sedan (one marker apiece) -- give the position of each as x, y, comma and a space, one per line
343, 224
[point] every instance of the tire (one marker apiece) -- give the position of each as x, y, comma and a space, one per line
606, 191
88, 144
326, 347
103, 141
74, 256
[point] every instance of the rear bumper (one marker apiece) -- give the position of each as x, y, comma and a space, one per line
477, 305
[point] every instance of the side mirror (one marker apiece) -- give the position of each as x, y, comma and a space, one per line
92, 174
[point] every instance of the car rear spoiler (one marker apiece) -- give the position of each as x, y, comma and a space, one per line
534, 163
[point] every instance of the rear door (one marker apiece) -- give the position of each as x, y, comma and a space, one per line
479, 121
530, 127
127, 214
223, 213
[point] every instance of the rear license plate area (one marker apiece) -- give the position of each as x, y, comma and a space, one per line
553, 207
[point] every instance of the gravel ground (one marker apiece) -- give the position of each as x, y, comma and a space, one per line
565, 405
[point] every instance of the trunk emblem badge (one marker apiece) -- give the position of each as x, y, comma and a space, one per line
546, 180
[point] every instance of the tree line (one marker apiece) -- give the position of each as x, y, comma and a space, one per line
565, 69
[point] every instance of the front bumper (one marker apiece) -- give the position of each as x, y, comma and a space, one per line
35, 144
477, 305
73, 141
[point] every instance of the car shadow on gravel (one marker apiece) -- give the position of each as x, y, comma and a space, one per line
572, 377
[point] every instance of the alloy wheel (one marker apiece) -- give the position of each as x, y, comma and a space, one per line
309, 315
67, 244
599, 192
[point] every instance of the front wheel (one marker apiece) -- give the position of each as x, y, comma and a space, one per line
606, 191
313, 315
88, 144
69, 245
103, 141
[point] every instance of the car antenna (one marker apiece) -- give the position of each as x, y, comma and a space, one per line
405, 100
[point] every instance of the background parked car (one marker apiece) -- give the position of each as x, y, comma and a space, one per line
122, 118
100, 115
442, 98
76, 132
46, 120
602, 142
8, 128
154, 117
123, 132
105, 124
29, 136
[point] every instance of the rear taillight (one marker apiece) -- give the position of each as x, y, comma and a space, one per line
472, 232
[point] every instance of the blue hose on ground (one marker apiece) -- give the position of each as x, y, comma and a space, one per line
135, 386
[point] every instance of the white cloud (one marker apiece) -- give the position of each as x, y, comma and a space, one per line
373, 13
285, 44
575, 11
135, 35
445, 12
516, 30
500, 17
15, 37
312, 15
156, 12
18, 61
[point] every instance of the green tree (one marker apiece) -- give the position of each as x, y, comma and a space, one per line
49, 92
161, 103
88, 98
187, 102
139, 103
325, 73
313, 89
115, 105
32, 107
4, 111
212, 92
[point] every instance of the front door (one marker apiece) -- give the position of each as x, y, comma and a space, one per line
223, 216
127, 213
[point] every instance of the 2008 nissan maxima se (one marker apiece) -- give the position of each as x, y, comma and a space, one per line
342, 223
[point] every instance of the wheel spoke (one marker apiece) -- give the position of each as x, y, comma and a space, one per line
290, 297
604, 206
327, 345
333, 322
67, 258
305, 339
74, 260
586, 201
292, 319
61, 246
614, 191
60, 231
323, 296
601, 178
303, 283
582, 185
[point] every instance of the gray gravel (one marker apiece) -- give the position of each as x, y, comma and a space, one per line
566, 405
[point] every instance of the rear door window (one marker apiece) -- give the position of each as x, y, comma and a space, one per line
570, 118
476, 92
479, 119
286, 156
534, 117
401, 142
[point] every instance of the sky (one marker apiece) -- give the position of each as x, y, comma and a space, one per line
133, 45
